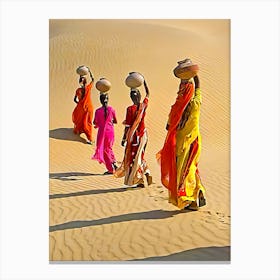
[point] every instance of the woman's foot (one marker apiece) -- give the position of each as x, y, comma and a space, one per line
149, 179
115, 167
141, 184
201, 199
89, 142
108, 173
193, 206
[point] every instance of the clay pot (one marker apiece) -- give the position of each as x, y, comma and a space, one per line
82, 70
134, 80
103, 85
186, 69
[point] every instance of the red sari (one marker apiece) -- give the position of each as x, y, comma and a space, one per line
134, 166
167, 155
82, 115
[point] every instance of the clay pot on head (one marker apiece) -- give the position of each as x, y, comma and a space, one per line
82, 70
134, 80
186, 69
103, 85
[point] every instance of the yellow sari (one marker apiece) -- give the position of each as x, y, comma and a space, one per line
188, 149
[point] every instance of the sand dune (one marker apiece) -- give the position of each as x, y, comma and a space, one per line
91, 216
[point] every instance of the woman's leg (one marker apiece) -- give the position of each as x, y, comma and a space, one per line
146, 169
88, 126
109, 156
137, 172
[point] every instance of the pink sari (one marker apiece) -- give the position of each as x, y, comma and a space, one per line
105, 137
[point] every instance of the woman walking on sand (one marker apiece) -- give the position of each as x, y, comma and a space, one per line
181, 151
134, 167
104, 120
83, 112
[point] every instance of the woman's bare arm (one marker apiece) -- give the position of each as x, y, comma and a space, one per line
196, 81
146, 89
91, 76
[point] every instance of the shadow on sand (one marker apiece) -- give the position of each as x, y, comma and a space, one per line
202, 255
66, 134
195, 255
149, 215
66, 176
89, 192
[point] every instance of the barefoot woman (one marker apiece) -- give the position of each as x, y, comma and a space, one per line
104, 120
135, 139
181, 151
83, 113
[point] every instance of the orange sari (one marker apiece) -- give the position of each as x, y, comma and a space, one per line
82, 115
167, 155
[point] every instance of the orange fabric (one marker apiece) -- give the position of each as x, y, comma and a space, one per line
82, 115
167, 155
